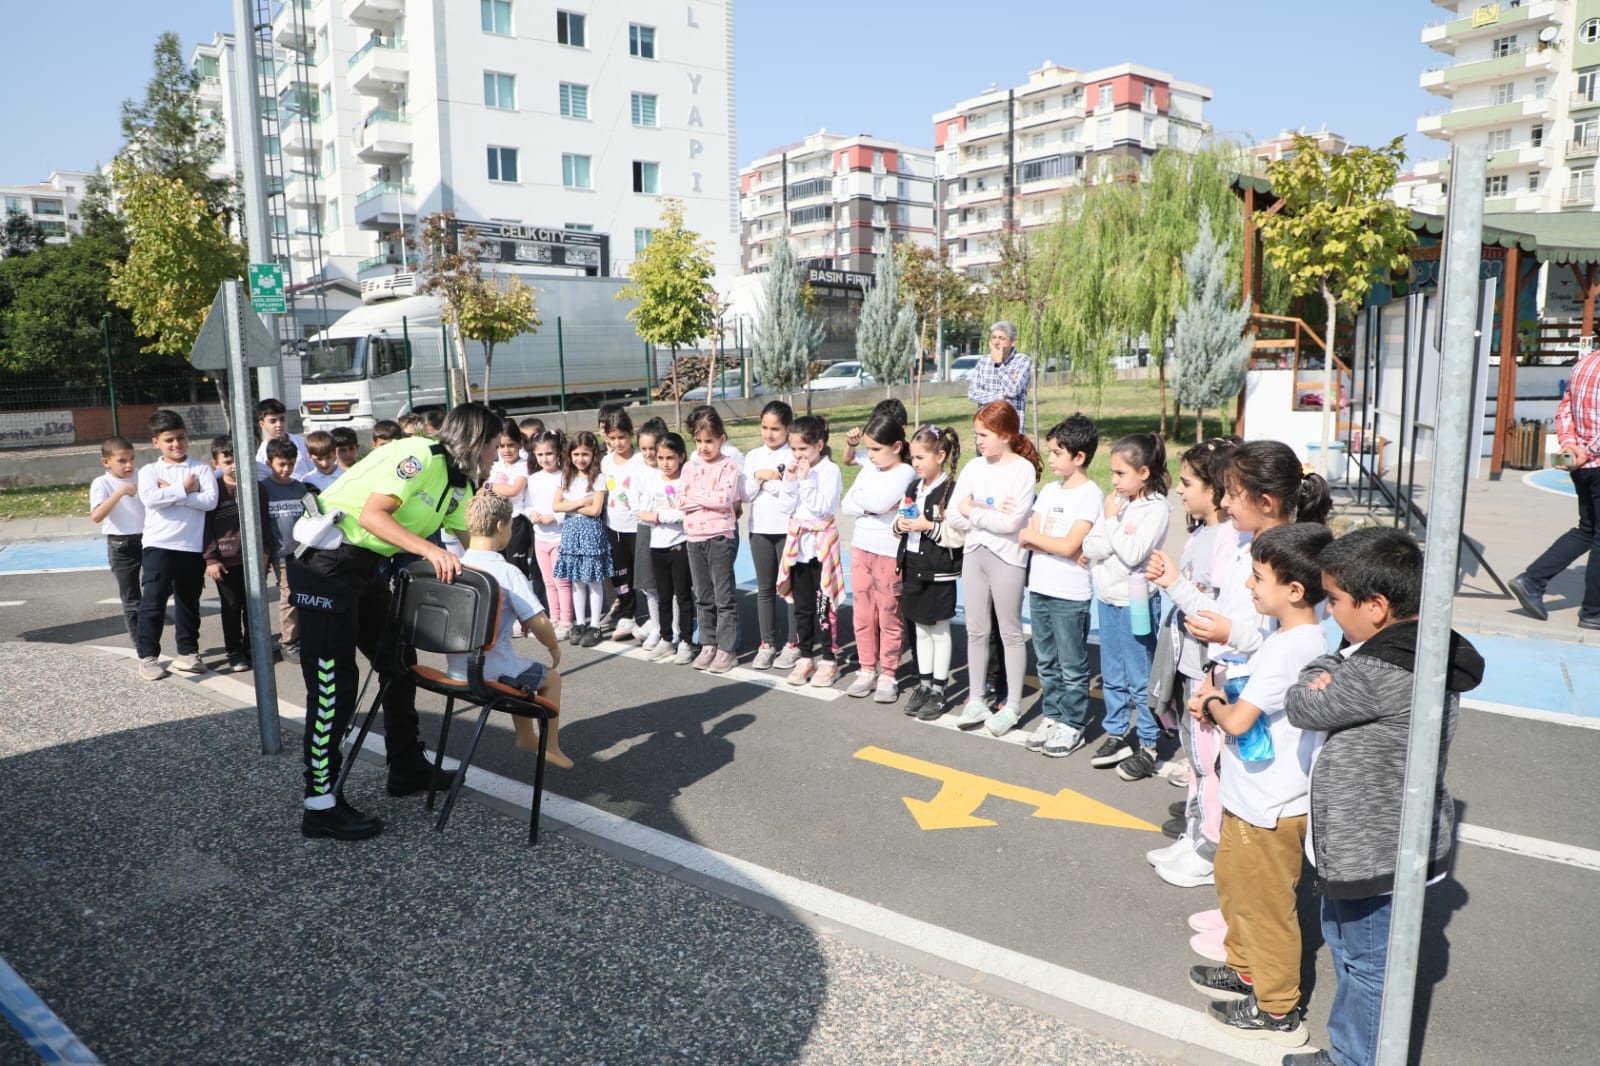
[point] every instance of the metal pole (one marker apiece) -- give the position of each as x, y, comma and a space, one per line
1463, 253
561, 363
411, 400
255, 548
111, 376
247, 142
449, 371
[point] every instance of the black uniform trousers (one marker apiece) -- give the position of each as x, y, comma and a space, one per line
343, 597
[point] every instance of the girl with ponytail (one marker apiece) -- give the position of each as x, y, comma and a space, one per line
991, 503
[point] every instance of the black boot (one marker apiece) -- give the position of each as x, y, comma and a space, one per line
341, 822
412, 776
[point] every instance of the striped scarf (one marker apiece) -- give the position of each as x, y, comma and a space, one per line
827, 533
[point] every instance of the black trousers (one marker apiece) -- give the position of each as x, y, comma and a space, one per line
671, 567
125, 554
343, 597
621, 572
182, 576
1582, 539
235, 624
813, 612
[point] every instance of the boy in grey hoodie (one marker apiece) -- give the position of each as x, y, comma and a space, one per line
1361, 698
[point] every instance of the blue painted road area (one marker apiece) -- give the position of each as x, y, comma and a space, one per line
45, 556
1552, 480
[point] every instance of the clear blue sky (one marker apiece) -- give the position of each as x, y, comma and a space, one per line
853, 68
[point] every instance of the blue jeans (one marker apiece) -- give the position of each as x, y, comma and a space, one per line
1061, 644
1125, 674
1357, 933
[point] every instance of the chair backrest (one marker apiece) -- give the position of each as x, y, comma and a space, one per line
458, 618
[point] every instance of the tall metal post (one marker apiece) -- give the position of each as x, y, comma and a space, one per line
561, 363
255, 547
247, 139
1463, 256
111, 377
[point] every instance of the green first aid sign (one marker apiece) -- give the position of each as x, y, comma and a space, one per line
266, 289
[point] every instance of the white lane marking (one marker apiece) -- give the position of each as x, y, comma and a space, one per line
1531, 847
772, 679
53, 570
15, 603
1532, 714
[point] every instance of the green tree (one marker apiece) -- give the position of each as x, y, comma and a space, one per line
51, 317
1212, 346
19, 236
886, 336
494, 313
787, 335
938, 293
449, 265
179, 254
169, 133
1337, 233
671, 280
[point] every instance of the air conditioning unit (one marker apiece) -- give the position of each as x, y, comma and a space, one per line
388, 287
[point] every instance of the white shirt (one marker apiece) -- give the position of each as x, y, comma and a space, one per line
175, 519
503, 473
873, 501
1120, 546
622, 491
320, 481
987, 484
578, 489
667, 531
923, 490
766, 508
517, 602
126, 517
1059, 509
302, 463
540, 496
1262, 792
814, 499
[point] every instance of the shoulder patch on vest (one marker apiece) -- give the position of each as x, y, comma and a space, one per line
409, 467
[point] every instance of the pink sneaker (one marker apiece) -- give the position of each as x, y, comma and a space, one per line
827, 672
704, 659
1207, 921
725, 661
1209, 945
801, 672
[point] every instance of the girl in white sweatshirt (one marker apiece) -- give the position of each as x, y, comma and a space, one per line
874, 501
1133, 525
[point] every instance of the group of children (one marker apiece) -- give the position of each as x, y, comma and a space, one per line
1239, 667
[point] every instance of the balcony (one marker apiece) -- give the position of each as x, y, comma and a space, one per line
1446, 80
385, 136
992, 193
1584, 100
994, 127
287, 34
1495, 20
383, 207
1580, 195
380, 67
376, 14
1519, 158
304, 193
1584, 147
1485, 115
300, 139
383, 263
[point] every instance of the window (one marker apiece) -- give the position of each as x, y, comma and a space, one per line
1540, 88
500, 91
641, 41
1583, 131
646, 177
877, 160
1504, 46
1581, 187
502, 164
497, 17
332, 215
1036, 107
1149, 96
644, 110
1499, 140
642, 239
575, 172
903, 189
580, 227
1589, 32
1533, 181
1103, 133
1536, 135
806, 215
330, 160
574, 100
1503, 93
13, 205
801, 190
49, 207
1494, 185
1588, 82
1042, 169
1149, 131
327, 102
1073, 98
570, 29
49, 229
1105, 98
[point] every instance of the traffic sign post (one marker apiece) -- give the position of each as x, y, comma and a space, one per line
266, 289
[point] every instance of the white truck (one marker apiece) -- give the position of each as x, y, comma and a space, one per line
391, 357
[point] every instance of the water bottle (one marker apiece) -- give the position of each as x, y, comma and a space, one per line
1139, 604
909, 508
1255, 745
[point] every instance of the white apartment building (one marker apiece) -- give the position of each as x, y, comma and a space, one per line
1281, 147
1526, 73
53, 204
1006, 156
556, 126
844, 200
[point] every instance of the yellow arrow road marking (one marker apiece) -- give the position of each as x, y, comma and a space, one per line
960, 795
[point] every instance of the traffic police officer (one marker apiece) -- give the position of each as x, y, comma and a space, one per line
392, 501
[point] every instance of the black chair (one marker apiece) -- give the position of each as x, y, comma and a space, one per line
460, 618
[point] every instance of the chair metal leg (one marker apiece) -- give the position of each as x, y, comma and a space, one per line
438, 755
538, 781
361, 735
461, 771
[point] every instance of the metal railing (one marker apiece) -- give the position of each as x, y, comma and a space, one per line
401, 118
385, 187
376, 42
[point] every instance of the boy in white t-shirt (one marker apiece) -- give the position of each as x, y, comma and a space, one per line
487, 534
1266, 797
324, 457
114, 505
176, 491
1059, 589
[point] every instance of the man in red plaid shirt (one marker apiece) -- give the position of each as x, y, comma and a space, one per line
1578, 429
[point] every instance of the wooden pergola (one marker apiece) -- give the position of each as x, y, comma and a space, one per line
1524, 239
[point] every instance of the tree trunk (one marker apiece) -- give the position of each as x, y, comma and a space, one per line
488, 368
1199, 424
677, 394
1161, 372
461, 360
1177, 412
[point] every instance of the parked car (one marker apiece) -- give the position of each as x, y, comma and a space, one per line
961, 369
850, 375
727, 386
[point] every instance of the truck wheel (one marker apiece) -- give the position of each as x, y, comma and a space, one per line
581, 403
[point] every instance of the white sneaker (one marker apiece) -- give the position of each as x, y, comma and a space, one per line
665, 652
651, 642
1040, 734
1170, 852
1063, 742
685, 654
1175, 771
624, 630
888, 690
766, 655
1003, 721
787, 657
151, 669
974, 714
1187, 870
190, 664
862, 684
563, 630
